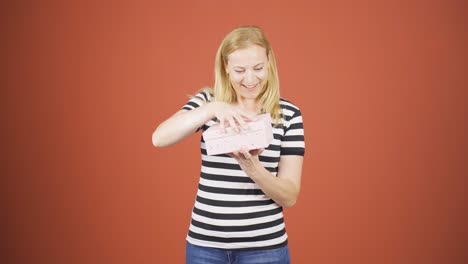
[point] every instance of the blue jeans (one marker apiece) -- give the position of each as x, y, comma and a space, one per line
205, 255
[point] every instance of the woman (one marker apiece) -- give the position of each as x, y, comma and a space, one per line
237, 217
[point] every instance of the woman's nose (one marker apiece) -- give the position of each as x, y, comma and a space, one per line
249, 77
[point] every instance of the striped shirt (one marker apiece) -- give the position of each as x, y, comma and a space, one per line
231, 211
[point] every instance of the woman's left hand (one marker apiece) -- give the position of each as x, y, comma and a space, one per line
248, 160
283, 187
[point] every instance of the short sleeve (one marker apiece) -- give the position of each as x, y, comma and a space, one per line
293, 139
198, 100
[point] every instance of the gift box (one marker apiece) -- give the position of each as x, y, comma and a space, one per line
257, 134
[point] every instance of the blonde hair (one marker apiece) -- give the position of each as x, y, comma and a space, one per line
241, 38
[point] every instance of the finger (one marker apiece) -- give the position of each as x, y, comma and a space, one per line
245, 152
235, 154
256, 152
260, 151
222, 125
233, 124
239, 119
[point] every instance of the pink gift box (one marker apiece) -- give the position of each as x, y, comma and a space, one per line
257, 134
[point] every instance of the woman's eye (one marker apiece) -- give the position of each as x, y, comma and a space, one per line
259, 69
239, 71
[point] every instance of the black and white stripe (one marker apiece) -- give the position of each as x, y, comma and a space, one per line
230, 210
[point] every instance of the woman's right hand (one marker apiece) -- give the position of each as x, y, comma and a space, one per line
185, 123
229, 115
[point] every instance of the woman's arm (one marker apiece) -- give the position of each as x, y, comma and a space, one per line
283, 189
185, 123
179, 126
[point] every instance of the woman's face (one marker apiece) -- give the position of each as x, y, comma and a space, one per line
248, 71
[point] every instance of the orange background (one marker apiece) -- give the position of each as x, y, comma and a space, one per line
382, 86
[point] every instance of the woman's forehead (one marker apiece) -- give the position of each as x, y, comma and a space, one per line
251, 55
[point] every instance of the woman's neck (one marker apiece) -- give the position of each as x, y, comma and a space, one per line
249, 106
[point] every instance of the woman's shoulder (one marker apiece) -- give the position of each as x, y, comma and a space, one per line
198, 99
205, 94
290, 112
288, 105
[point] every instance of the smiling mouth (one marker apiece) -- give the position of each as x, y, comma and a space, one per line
250, 86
